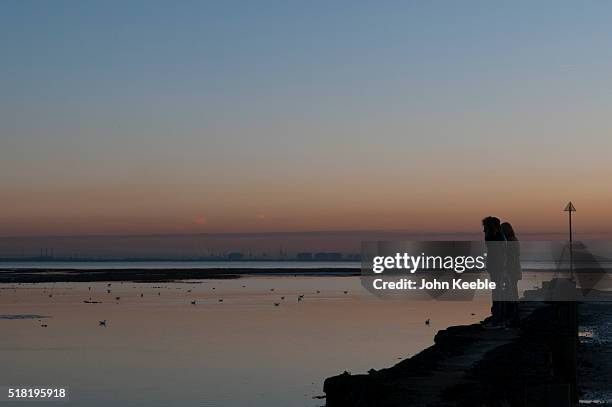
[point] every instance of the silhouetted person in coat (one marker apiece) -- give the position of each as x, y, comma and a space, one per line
494, 240
512, 274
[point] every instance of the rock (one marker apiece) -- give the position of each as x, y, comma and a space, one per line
473, 366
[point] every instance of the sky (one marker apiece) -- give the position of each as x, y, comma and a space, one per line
148, 117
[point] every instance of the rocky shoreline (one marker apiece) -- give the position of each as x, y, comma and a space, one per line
534, 365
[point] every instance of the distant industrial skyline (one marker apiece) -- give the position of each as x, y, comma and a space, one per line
222, 246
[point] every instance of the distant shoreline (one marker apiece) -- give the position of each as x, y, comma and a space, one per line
146, 275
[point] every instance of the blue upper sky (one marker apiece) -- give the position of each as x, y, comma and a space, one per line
261, 115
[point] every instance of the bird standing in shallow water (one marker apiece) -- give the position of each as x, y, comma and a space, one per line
102, 323
427, 321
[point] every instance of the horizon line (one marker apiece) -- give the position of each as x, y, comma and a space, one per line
271, 233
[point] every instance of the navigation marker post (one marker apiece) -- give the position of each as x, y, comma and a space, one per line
569, 208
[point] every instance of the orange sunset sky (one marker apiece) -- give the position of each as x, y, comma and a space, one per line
202, 118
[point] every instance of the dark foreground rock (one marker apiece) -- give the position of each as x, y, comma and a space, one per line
534, 365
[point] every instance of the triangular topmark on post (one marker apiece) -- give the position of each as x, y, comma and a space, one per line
569, 207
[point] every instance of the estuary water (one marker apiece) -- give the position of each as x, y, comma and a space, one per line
251, 341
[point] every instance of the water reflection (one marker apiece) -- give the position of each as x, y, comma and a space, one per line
159, 348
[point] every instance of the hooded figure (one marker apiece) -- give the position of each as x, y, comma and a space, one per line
512, 274
494, 240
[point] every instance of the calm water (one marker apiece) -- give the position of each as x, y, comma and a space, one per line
197, 264
160, 350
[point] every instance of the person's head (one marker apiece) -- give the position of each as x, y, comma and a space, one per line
491, 226
508, 231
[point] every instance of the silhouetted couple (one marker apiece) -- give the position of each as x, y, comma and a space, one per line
504, 267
